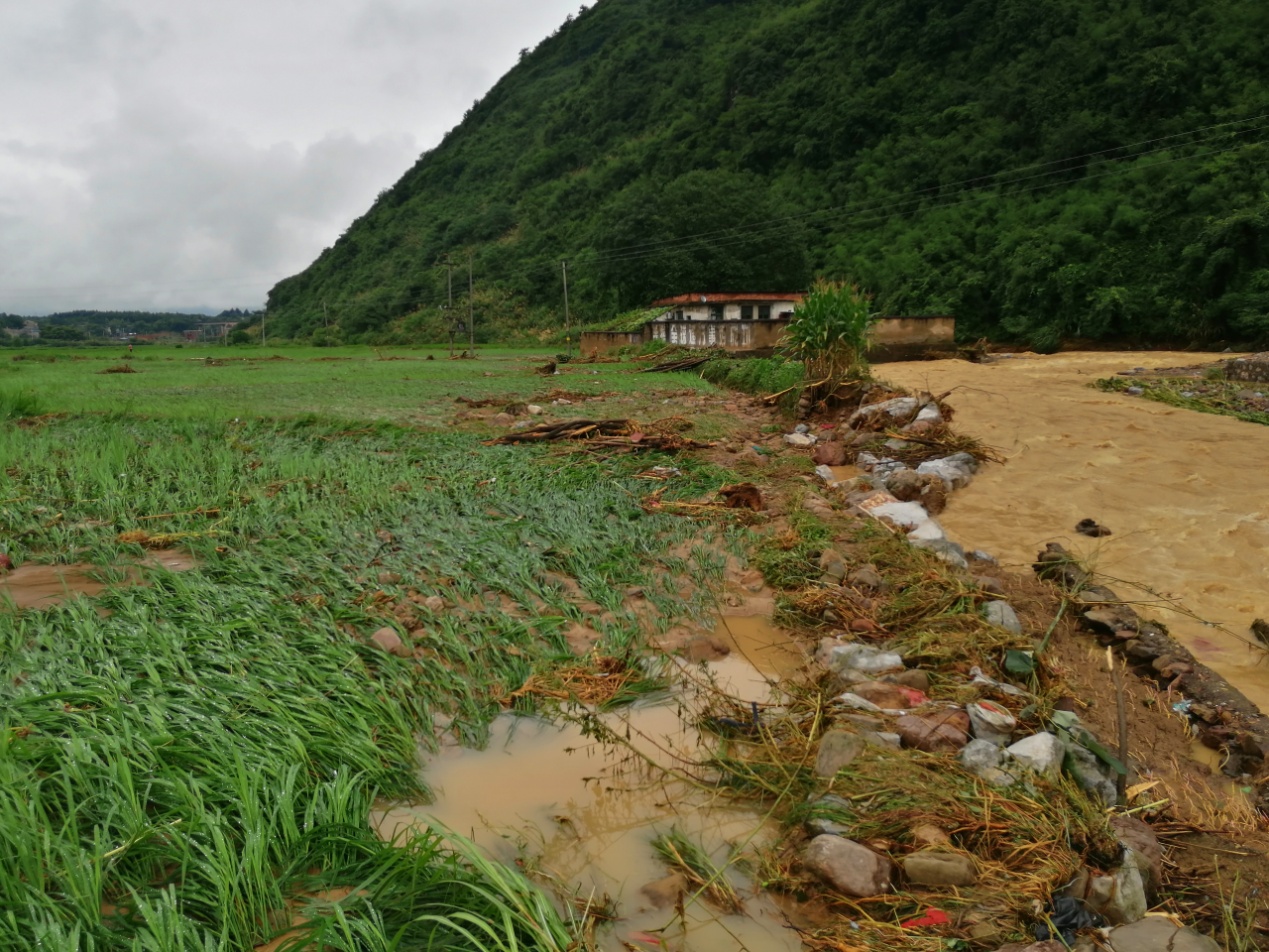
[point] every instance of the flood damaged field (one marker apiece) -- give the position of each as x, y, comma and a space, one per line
311, 652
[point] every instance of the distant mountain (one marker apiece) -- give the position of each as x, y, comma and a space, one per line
1068, 169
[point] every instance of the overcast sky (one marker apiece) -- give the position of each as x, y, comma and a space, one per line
178, 154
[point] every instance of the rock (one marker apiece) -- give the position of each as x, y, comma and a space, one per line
434, 603
706, 648
851, 869
913, 678
990, 585
1142, 848
931, 733
843, 658
1089, 527
831, 453
802, 428
832, 565
928, 531
910, 486
390, 641
826, 473
1119, 897
503, 419
1040, 752
534, 409
905, 515
883, 739
956, 471
1090, 774
837, 750
867, 579
931, 868
991, 722
663, 893
1154, 934
817, 506
927, 834
981, 556
828, 816
983, 759
1002, 615
888, 697
389, 578
948, 551
877, 415
1111, 621
799, 439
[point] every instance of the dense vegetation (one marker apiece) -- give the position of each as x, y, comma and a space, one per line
1078, 168
86, 325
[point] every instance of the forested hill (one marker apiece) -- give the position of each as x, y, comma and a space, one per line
1043, 170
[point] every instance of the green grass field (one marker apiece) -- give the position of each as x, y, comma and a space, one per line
181, 760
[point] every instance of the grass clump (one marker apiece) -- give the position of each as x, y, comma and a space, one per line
16, 404
698, 868
756, 375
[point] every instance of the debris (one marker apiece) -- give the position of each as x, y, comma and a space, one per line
851, 658
120, 369
991, 722
932, 917
616, 433
848, 867
1154, 932
1002, 615
1260, 628
1118, 897
932, 732
687, 363
831, 453
1067, 916
799, 439
1089, 527
934, 868
743, 496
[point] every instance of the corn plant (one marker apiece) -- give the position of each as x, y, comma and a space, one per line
829, 334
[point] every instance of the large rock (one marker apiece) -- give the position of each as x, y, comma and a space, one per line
1141, 847
851, 869
845, 659
956, 471
1040, 752
837, 750
1120, 897
829, 816
1090, 774
908, 485
950, 552
831, 453
936, 868
931, 733
875, 416
1154, 934
984, 759
991, 722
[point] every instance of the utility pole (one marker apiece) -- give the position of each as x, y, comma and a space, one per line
325, 316
263, 314
471, 311
568, 332
449, 308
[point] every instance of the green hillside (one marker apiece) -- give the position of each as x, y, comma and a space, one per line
1045, 171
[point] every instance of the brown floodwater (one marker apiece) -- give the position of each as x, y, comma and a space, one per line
583, 814
1185, 493
42, 586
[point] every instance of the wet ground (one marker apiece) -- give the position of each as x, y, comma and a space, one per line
583, 813
42, 586
1183, 492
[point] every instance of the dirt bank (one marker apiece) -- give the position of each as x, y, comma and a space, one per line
1182, 491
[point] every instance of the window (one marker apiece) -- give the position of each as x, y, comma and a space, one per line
715, 312
746, 312
764, 312
678, 315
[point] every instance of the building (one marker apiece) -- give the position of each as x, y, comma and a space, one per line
755, 324
29, 329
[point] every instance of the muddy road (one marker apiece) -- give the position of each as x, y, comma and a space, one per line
1185, 493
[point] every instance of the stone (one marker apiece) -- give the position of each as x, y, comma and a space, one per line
927, 834
1090, 774
832, 565
390, 641
1040, 752
851, 869
706, 648
913, 678
1156, 934
663, 893
1002, 615
950, 552
503, 419
981, 556
908, 485
802, 428
389, 578
888, 697
928, 531
837, 750
434, 603
883, 739
1140, 842
990, 585
826, 473
932, 868
957, 471
991, 722
877, 415
1120, 897
799, 439
931, 733
984, 759
867, 579
905, 515
831, 453
828, 816
534, 409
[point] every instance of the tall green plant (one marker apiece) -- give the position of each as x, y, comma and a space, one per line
829, 333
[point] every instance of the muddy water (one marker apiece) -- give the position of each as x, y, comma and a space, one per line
42, 586
1185, 493
584, 814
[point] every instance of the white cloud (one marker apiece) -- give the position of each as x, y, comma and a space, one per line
189, 155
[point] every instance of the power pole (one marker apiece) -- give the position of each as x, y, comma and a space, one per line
263, 314
449, 308
471, 311
325, 316
568, 332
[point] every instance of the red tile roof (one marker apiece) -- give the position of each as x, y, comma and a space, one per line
727, 299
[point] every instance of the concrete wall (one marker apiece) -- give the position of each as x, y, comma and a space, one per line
915, 330
601, 342
735, 336
1254, 369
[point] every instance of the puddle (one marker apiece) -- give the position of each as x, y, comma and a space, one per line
1182, 491
760, 653
583, 815
43, 586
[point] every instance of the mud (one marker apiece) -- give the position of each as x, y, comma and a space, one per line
1182, 491
43, 586
582, 814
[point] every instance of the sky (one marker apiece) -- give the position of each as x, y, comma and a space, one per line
173, 154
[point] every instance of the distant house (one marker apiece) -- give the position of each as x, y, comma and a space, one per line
754, 323
29, 329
